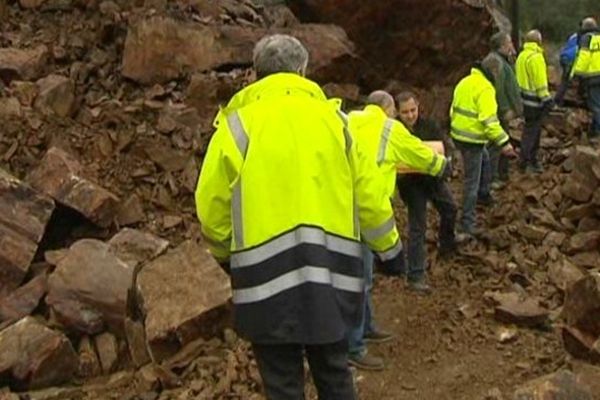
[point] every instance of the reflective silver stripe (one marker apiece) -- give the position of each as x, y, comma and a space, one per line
469, 135
466, 113
292, 279
385, 137
529, 92
303, 234
375, 233
391, 253
490, 120
238, 132
444, 163
502, 138
532, 103
347, 135
236, 214
432, 164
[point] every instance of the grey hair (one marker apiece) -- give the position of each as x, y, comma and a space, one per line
589, 23
279, 53
381, 98
498, 39
534, 36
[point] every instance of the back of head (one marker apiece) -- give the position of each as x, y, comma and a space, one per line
498, 40
279, 53
533, 36
589, 23
384, 100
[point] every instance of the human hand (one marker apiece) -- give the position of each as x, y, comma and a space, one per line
508, 151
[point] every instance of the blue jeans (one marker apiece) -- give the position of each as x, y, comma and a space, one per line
593, 103
476, 181
356, 336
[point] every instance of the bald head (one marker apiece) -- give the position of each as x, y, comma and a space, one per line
589, 23
384, 100
534, 36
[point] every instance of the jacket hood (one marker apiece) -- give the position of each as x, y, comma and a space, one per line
477, 67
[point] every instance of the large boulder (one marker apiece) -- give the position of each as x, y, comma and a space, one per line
34, 356
557, 386
177, 293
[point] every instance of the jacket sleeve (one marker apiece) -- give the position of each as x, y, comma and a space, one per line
486, 104
407, 149
513, 93
373, 206
539, 76
583, 58
220, 170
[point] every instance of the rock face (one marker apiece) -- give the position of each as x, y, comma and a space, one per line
88, 290
60, 176
177, 291
177, 49
23, 218
33, 356
22, 64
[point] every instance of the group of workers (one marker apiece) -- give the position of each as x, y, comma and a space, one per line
294, 198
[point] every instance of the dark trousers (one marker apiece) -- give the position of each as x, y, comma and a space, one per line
593, 103
415, 191
499, 163
281, 367
564, 83
530, 142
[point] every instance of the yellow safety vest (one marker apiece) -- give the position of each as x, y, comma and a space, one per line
587, 63
473, 112
286, 196
532, 75
388, 143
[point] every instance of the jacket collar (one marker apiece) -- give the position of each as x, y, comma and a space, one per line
532, 46
374, 109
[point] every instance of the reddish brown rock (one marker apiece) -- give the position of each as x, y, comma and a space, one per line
56, 96
23, 217
534, 233
584, 241
88, 290
557, 386
22, 64
89, 365
177, 291
23, 300
582, 305
577, 191
514, 310
563, 274
347, 91
136, 342
136, 247
61, 176
34, 356
580, 211
131, 211
108, 351
10, 107
25, 92
581, 345
584, 159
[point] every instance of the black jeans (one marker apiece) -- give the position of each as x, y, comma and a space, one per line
415, 191
530, 143
593, 103
499, 163
564, 83
281, 367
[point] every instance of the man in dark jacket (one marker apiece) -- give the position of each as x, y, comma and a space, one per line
416, 189
507, 95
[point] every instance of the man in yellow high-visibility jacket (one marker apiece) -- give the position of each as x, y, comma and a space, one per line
587, 68
474, 124
533, 82
284, 198
386, 143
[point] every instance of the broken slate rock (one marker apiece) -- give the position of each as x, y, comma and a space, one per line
577, 191
583, 241
56, 96
582, 305
581, 345
22, 64
34, 356
24, 214
61, 177
88, 290
563, 274
523, 312
89, 365
136, 247
136, 341
108, 351
177, 291
557, 386
23, 300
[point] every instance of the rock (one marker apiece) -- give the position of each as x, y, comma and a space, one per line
582, 305
347, 91
23, 300
108, 351
167, 158
136, 342
24, 214
56, 96
555, 239
525, 312
581, 345
25, 92
584, 241
563, 274
89, 365
177, 291
175, 48
22, 64
584, 158
10, 107
60, 176
31, 3
534, 233
590, 259
131, 211
33, 356
578, 212
557, 386
136, 247
577, 191
88, 290
588, 224
543, 217
207, 90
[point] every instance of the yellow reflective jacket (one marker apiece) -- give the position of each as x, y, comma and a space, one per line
587, 62
388, 143
473, 117
532, 75
286, 196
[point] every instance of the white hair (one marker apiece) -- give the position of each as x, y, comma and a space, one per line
279, 53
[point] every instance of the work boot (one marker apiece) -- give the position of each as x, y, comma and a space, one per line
377, 336
461, 237
419, 286
534, 169
497, 185
486, 201
366, 361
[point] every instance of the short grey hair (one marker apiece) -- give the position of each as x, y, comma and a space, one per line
498, 39
381, 98
279, 53
589, 23
534, 35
